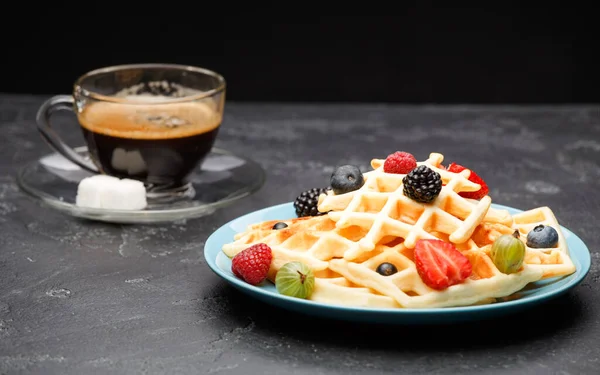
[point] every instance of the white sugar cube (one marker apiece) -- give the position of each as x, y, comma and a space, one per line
88, 191
101, 191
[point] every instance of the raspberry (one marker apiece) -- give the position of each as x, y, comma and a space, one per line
252, 264
440, 265
399, 162
473, 177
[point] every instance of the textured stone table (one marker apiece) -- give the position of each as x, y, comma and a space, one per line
82, 297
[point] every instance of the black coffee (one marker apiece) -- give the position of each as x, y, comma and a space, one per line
159, 143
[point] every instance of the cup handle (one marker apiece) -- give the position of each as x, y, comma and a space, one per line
54, 104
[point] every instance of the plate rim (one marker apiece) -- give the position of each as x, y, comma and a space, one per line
212, 242
136, 216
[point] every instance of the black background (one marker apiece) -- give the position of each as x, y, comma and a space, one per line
416, 53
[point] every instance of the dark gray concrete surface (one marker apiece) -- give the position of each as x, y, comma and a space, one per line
81, 297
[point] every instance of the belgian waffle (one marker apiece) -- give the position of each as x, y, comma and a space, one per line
377, 224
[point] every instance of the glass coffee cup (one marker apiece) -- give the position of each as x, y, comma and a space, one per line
150, 122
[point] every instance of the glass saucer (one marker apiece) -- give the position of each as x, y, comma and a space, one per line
222, 179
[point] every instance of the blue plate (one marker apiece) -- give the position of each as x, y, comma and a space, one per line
533, 294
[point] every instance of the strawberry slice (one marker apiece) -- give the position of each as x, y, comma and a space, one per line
482, 192
440, 265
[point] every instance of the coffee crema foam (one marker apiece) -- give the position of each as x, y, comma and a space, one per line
148, 120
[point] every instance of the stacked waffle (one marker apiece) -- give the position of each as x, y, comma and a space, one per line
378, 223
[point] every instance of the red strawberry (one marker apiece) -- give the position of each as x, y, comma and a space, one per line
482, 192
252, 264
440, 265
399, 162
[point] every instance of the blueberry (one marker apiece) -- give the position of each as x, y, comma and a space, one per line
386, 269
280, 225
542, 236
346, 178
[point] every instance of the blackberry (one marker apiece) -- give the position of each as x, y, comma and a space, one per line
306, 203
422, 184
